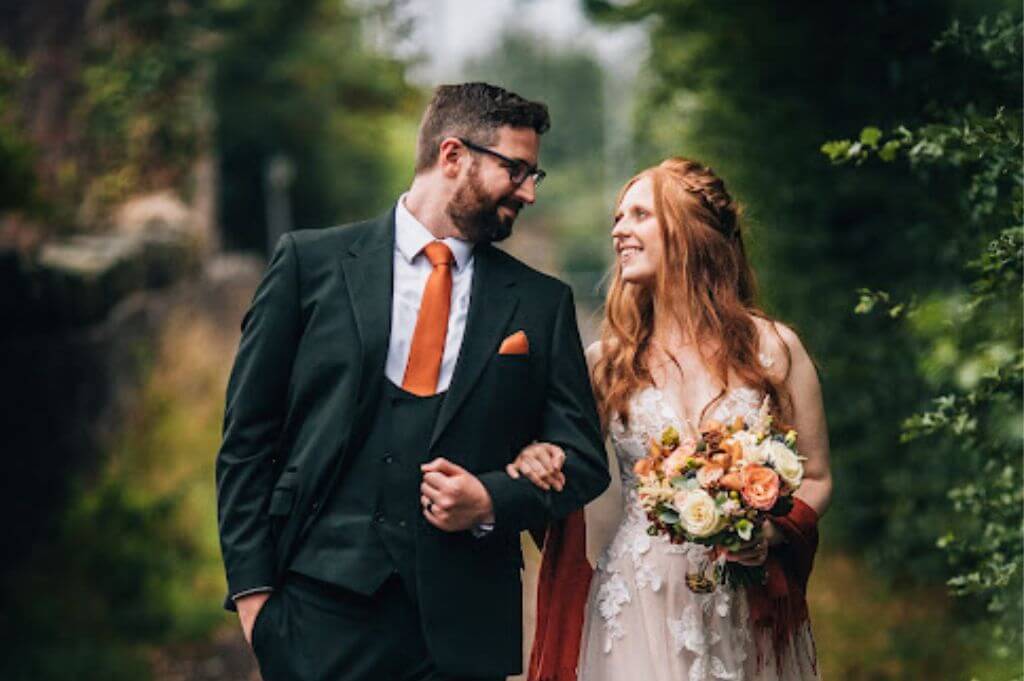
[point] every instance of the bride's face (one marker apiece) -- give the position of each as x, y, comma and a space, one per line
636, 235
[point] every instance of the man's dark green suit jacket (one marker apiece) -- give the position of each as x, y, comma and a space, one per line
309, 365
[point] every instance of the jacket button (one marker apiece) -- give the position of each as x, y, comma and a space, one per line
378, 517
388, 459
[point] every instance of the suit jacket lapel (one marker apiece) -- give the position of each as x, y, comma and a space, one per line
368, 267
491, 304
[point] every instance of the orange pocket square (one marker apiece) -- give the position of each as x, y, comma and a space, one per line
516, 344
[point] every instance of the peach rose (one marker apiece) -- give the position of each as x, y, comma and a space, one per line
710, 474
674, 463
760, 487
643, 467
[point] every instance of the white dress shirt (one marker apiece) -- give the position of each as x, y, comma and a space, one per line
410, 278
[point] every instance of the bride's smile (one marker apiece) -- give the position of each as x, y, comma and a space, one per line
636, 234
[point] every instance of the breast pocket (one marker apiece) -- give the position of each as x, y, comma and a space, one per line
508, 396
512, 374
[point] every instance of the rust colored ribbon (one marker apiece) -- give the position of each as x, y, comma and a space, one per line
780, 605
562, 589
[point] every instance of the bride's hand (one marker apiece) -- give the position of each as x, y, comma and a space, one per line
541, 463
755, 552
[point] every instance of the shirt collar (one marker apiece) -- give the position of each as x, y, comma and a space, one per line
411, 237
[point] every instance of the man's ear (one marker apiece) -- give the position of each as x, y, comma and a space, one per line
450, 157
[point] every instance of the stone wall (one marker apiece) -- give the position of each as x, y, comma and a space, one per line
78, 320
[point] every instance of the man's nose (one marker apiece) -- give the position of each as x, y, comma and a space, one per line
527, 191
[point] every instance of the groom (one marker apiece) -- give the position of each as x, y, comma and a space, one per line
387, 373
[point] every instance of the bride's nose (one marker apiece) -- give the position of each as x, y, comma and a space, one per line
620, 230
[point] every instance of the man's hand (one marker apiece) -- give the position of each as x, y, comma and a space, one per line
453, 499
248, 607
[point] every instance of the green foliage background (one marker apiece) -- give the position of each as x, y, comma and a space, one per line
896, 253
754, 91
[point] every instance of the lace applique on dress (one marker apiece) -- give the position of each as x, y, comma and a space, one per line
610, 599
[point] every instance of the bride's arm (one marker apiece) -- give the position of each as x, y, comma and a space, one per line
809, 422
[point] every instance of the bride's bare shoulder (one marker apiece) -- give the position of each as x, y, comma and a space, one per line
780, 347
594, 352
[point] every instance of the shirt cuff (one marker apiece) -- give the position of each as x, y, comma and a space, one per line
256, 590
482, 530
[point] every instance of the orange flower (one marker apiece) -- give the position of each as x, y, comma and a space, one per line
722, 459
731, 481
760, 487
643, 467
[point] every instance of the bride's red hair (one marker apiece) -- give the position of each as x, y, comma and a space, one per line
704, 283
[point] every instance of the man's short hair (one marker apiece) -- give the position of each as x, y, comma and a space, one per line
475, 111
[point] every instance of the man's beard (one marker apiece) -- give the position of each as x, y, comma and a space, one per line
476, 216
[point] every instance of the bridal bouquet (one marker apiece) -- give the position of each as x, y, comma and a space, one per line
717, 489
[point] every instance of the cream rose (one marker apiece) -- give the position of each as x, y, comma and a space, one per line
699, 514
785, 462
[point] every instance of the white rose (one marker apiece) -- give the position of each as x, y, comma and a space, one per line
699, 515
731, 507
785, 462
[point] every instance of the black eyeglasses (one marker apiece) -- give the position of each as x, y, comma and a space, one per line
518, 171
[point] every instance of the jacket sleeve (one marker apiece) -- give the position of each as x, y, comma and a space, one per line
253, 420
570, 421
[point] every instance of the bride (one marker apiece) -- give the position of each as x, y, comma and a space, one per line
682, 343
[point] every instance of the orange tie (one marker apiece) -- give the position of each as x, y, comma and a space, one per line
424, 366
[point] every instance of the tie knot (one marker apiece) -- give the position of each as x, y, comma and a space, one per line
438, 253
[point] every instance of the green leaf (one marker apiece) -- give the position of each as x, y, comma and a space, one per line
669, 517
870, 135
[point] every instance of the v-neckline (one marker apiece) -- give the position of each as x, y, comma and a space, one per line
676, 414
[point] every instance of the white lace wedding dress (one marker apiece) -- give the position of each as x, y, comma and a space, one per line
642, 620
